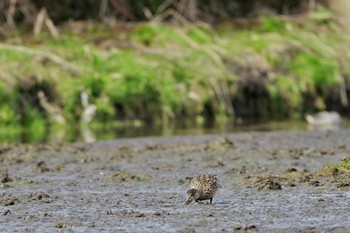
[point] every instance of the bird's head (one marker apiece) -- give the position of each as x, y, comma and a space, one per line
192, 195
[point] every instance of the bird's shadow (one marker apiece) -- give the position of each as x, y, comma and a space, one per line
205, 203
228, 202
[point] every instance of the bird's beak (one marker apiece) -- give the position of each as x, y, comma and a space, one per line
188, 202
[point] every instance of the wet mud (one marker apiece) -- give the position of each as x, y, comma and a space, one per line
271, 182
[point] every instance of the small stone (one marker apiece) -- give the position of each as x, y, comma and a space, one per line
109, 212
292, 169
6, 212
10, 201
5, 177
29, 217
157, 214
63, 225
334, 171
315, 183
140, 215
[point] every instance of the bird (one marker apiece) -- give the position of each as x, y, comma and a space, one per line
202, 187
324, 120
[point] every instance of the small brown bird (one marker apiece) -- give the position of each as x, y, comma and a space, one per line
202, 187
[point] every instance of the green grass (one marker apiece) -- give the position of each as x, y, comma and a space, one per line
174, 72
343, 165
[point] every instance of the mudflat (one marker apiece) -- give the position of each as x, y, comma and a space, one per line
271, 182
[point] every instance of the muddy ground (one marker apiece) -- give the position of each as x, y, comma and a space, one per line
271, 182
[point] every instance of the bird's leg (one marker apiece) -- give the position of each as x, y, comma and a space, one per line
211, 200
198, 201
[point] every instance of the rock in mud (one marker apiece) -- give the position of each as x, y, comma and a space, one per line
63, 225
131, 213
343, 184
6, 212
267, 183
124, 176
292, 169
219, 144
5, 177
41, 165
315, 183
246, 228
38, 196
9, 201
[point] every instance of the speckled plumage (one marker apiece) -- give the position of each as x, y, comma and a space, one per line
202, 187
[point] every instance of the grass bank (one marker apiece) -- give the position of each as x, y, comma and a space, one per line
153, 73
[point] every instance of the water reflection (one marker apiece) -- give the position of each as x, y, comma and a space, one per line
91, 133
87, 134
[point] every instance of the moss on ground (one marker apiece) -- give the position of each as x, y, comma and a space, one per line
343, 165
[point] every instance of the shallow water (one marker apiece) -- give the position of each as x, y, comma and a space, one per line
92, 134
134, 185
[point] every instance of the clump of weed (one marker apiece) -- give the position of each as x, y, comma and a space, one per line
343, 165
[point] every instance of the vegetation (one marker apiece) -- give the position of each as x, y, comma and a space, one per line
205, 10
343, 165
174, 67
156, 72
